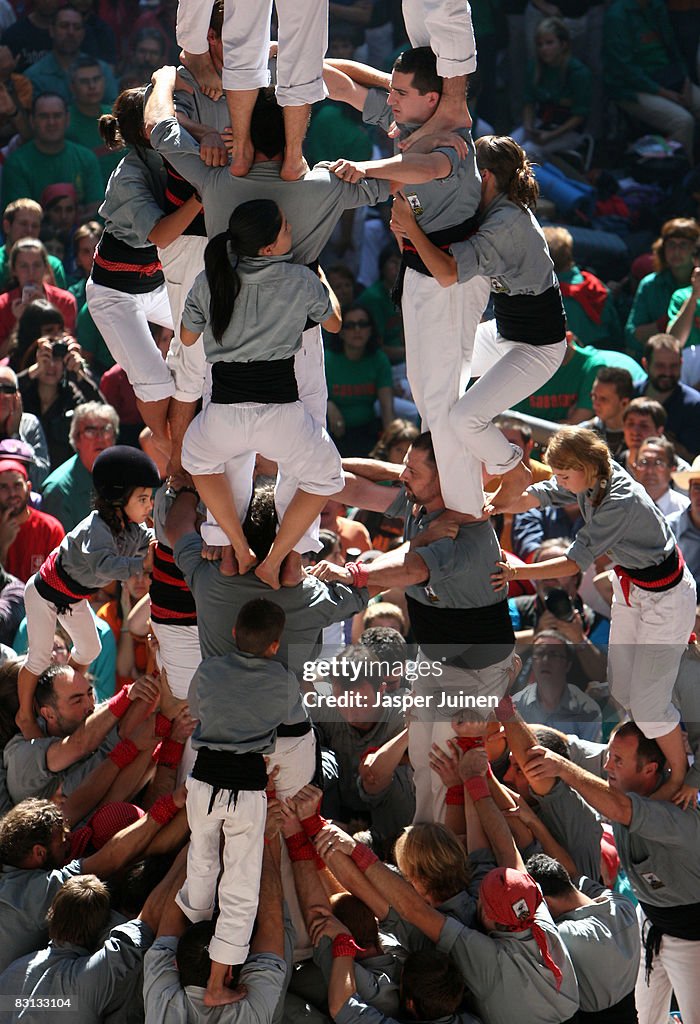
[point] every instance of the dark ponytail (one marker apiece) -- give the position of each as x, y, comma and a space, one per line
252, 226
510, 167
124, 126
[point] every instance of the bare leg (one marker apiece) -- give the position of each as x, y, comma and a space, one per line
240, 107
215, 491
512, 486
202, 68
674, 750
296, 120
180, 415
451, 113
218, 993
155, 416
300, 514
25, 717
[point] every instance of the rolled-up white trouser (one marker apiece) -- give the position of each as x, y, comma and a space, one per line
446, 27
179, 654
182, 260
647, 639
675, 971
78, 622
285, 433
508, 371
122, 319
439, 329
242, 823
192, 26
434, 725
302, 43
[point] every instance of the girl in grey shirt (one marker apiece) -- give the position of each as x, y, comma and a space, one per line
252, 305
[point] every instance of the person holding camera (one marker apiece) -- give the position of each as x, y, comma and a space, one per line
51, 389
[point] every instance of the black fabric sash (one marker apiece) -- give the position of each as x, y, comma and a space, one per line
222, 769
531, 319
681, 922
443, 239
622, 1012
272, 382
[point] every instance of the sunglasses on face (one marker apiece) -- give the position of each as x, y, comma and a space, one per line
8, 389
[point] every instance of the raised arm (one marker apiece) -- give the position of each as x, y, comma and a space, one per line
611, 803
269, 935
473, 768
160, 105
442, 265
406, 168
361, 74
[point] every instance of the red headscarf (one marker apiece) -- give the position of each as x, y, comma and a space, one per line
510, 898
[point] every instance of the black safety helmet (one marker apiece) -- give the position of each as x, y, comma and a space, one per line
121, 468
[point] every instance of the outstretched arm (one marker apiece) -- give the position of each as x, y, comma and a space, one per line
160, 104
611, 803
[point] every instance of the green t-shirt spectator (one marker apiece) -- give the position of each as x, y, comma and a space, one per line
387, 318
353, 384
27, 172
335, 132
607, 332
674, 308
84, 131
47, 75
650, 304
640, 52
559, 93
54, 262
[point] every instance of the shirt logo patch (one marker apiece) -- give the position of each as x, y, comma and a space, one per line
520, 909
414, 203
653, 880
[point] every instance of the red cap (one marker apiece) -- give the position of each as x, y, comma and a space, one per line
12, 465
59, 190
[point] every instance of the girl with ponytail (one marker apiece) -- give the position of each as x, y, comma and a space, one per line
516, 353
126, 289
251, 305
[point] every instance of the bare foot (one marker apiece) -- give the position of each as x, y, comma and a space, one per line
294, 167
292, 573
245, 559
211, 552
512, 486
229, 564
269, 572
202, 68
242, 155
28, 727
448, 117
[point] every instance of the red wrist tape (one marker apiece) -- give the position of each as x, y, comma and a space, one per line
505, 711
124, 753
345, 945
363, 857
169, 753
163, 725
164, 809
477, 787
455, 795
119, 704
313, 824
299, 847
359, 572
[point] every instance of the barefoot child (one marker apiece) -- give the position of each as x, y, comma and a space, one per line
528, 339
112, 543
239, 699
252, 304
653, 610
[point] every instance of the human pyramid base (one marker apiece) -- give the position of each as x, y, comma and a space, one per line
252, 766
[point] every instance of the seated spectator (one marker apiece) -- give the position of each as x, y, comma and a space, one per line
39, 320
27, 535
49, 157
67, 492
352, 534
684, 307
15, 99
342, 281
643, 418
673, 264
358, 375
159, 23
612, 392
51, 74
663, 361
29, 38
530, 529
99, 38
652, 469
88, 101
686, 523
85, 239
22, 219
53, 387
645, 72
377, 299
557, 97
147, 51
22, 426
29, 264
590, 310
60, 203
550, 699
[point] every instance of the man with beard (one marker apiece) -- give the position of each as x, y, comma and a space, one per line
663, 360
27, 536
458, 619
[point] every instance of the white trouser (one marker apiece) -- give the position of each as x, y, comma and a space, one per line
182, 260
431, 725
243, 829
675, 970
287, 434
671, 119
647, 640
122, 319
508, 371
302, 43
179, 654
439, 329
446, 27
41, 626
313, 394
192, 26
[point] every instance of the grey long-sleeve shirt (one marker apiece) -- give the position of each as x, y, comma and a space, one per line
93, 556
135, 198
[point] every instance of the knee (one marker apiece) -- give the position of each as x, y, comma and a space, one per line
464, 418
